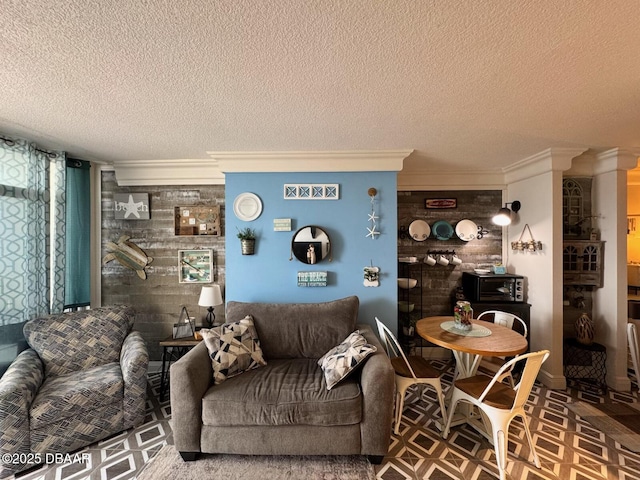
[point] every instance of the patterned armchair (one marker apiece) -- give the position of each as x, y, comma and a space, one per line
83, 379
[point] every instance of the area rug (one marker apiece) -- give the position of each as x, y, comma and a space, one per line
167, 464
620, 421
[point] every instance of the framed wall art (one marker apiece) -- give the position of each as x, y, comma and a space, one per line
195, 266
197, 220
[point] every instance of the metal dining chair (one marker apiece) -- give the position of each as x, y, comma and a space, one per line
500, 402
409, 370
493, 364
634, 346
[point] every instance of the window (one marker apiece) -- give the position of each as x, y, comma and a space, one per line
31, 232
572, 207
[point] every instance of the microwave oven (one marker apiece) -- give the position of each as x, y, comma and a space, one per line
489, 287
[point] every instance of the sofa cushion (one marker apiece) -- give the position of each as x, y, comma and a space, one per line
339, 362
298, 330
285, 392
233, 348
78, 395
75, 341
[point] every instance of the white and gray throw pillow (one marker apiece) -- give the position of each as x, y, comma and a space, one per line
343, 359
233, 348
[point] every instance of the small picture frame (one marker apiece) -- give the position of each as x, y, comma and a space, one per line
195, 266
184, 328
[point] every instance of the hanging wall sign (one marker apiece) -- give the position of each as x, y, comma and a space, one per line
131, 206
441, 203
312, 279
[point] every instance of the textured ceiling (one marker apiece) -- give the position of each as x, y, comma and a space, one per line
471, 84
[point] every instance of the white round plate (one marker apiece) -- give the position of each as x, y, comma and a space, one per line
247, 206
419, 230
466, 230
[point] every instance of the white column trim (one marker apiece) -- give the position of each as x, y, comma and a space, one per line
615, 159
551, 159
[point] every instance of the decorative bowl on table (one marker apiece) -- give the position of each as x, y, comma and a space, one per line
405, 307
407, 282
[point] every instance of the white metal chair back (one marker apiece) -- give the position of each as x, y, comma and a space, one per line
426, 375
534, 361
498, 410
634, 346
505, 319
392, 346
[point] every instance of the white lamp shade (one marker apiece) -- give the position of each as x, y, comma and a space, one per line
210, 296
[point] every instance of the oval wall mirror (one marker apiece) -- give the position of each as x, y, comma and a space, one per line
310, 244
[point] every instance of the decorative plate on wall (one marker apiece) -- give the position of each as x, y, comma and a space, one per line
247, 206
442, 230
419, 230
466, 230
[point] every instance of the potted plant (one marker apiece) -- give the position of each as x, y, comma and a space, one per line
247, 238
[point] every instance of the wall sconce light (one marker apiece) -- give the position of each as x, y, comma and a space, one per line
503, 217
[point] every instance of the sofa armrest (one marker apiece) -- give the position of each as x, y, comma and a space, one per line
18, 387
377, 381
191, 377
134, 362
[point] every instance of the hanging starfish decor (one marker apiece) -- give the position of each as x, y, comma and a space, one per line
372, 216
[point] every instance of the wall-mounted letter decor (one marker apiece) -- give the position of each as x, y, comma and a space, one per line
131, 206
312, 279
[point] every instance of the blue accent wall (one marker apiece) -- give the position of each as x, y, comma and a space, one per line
269, 275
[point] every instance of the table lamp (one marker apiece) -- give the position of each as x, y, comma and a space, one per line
210, 296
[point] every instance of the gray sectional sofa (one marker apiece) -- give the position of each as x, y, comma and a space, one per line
284, 407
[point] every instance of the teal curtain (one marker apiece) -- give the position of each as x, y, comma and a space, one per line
26, 253
77, 279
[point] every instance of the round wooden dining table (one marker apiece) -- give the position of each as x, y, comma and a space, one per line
468, 350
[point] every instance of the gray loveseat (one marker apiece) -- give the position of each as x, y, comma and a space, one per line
83, 379
284, 408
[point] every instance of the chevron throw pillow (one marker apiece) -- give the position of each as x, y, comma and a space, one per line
233, 348
339, 362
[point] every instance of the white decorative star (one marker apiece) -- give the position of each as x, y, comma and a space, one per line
373, 217
372, 232
131, 207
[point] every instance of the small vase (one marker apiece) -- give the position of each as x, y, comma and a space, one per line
248, 246
462, 314
585, 330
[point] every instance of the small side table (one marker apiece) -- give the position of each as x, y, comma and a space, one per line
585, 363
172, 350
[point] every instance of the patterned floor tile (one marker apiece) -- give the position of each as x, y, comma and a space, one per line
569, 448
395, 469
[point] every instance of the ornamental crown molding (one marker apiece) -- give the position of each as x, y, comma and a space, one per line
311, 161
181, 171
615, 159
551, 159
419, 179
